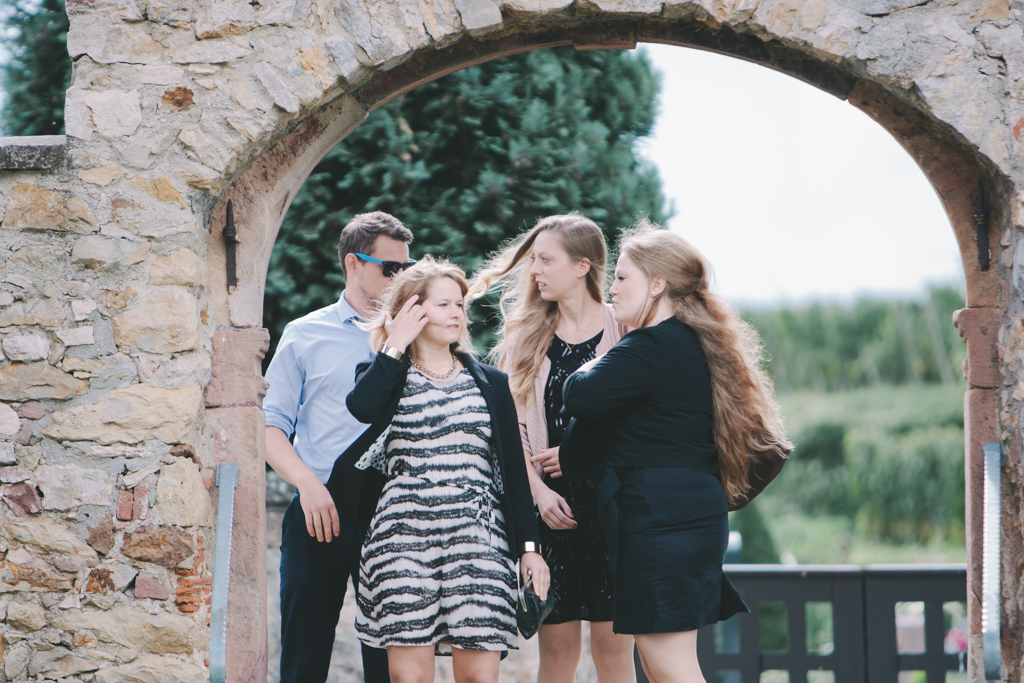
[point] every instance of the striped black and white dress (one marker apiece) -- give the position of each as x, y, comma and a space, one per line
436, 568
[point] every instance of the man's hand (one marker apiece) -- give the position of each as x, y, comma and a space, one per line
548, 460
321, 515
553, 509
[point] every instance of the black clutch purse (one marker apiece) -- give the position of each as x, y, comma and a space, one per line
531, 611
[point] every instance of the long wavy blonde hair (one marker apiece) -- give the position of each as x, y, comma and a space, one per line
746, 416
528, 321
416, 281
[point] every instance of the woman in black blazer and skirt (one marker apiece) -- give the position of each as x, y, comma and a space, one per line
670, 417
453, 506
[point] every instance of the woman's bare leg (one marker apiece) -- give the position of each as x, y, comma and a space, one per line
411, 664
475, 666
612, 654
560, 647
670, 657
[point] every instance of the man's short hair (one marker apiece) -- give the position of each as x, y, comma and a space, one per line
362, 231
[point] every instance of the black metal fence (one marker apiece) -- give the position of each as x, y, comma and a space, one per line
840, 624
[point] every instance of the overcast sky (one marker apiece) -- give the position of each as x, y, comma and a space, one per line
791, 194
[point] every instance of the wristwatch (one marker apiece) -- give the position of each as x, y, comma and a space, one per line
531, 547
391, 351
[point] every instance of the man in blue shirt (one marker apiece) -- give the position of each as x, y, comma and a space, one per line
311, 373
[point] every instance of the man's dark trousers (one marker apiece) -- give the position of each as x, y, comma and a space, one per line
314, 577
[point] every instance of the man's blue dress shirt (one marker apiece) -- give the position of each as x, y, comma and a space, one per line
313, 370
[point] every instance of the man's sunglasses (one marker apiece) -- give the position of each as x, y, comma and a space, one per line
389, 268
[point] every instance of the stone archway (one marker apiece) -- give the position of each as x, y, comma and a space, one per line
177, 107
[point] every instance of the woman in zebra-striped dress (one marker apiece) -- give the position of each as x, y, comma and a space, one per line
437, 574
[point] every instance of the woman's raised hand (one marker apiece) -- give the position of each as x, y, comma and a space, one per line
406, 325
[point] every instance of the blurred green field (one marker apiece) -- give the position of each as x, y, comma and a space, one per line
877, 477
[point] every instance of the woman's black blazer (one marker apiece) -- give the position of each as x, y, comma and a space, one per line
375, 399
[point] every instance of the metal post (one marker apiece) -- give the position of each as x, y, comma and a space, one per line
227, 480
990, 588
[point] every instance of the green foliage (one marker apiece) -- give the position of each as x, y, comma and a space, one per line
890, 459
831, 347
472, 159
38, 69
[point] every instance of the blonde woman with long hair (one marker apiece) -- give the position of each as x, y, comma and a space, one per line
672, 414
453, 510
552, 281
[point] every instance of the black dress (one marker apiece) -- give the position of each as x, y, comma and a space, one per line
644, 416
577, 558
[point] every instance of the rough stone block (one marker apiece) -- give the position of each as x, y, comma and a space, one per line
45, 533
276, 87
68, 486
102, 175
160, 188
28, 381
125, 10
177, 14
130, 415
980, 328
13, 474
132, 627
59, 663
479, 15
181, 267
111, 113
101, 536
7, 456
181, 498
33, 410
151, 668
76, 336
38, 208
140, 502
124, 506
344, 56
26, 616
114, 44
24, 436
82, 308
209, 152
26, 347
209, 52
221, 18
32, 152
24, 498
106, 372
108, 253
165, 546
237, 375
148, 587
9, 423
167, 323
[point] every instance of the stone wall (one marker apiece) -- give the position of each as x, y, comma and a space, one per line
129, 369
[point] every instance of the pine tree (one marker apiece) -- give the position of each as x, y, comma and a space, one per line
471, 160
37, 71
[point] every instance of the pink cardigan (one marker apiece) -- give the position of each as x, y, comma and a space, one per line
533, 425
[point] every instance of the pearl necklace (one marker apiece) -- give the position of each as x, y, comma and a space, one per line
434, 375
